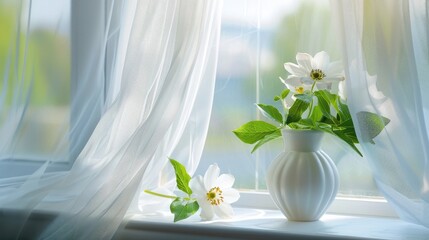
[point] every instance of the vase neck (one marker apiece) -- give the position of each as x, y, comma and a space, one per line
302, 140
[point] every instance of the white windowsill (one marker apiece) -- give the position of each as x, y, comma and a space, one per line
256, 217
271, 224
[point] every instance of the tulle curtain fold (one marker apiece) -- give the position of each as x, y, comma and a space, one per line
385, 49
159, 106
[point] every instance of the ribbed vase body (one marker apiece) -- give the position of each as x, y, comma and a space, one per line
303, 180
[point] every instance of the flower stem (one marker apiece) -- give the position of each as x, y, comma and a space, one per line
160, 195
310, 109
311, 104
312, 86
167, 196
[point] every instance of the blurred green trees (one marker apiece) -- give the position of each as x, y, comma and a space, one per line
39, 55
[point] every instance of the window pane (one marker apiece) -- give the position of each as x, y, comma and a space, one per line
257, 38
35, 63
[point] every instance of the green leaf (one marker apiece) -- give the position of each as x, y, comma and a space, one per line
182, 176
342, 109
335, 101
304, 97
271, 112
283, 95
347, 140
347, 124
317, 114
323, 101
183, 208
266, 139
328, 96
324, 127
254, 131
302, 124
296, 111
370, 124
310, 124
347, 128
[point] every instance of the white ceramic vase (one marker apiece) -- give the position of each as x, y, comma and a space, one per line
302, 180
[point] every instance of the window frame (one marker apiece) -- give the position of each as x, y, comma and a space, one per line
88, 29
376, 207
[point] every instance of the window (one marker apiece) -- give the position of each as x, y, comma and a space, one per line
257, 39
35, 55
58, 52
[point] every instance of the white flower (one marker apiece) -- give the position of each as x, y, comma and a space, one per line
214, 193
311, 70
298, 89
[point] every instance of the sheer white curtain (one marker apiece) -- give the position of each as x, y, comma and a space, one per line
159, 106
385, 46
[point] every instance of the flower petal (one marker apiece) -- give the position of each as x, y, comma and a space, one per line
342, 91
332, 79
293, 80
307, 80
197, 186
223, 210
207, 211
304, 60
334, 69
294, 69
320, 61
211, 176
323, 85
225, 181
230, 195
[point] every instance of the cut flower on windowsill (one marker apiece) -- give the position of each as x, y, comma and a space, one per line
213, 193
315, 72
315, 106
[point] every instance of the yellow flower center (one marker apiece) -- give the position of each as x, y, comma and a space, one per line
299, 90
214, 196
317, 74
